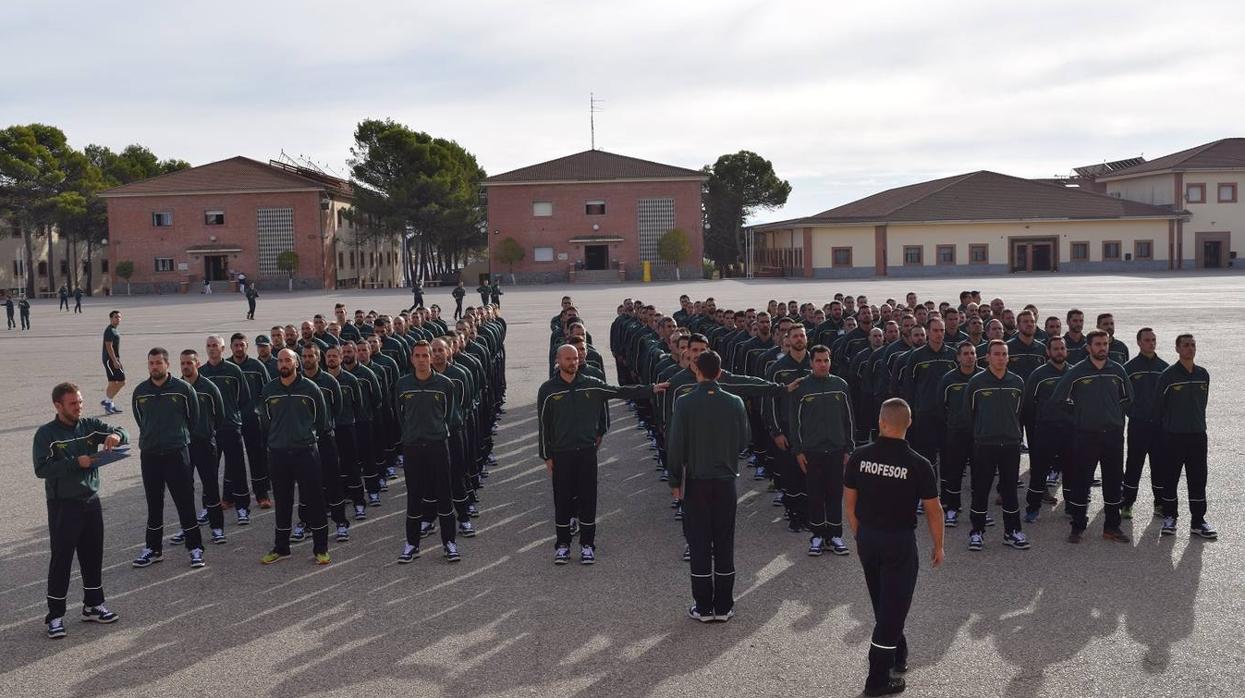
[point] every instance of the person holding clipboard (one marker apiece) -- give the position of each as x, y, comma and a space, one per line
66, 459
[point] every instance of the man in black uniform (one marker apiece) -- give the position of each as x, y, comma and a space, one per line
881, 485
63, 451
1050, 450
992, 402
8, 310
708, 429
458, 294
819, 414
1144, 431
1183, 390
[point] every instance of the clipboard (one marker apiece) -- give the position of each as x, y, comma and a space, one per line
103, 458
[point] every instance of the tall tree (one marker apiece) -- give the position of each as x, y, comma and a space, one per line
33, 189
738, 185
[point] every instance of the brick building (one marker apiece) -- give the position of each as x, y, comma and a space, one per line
594, 216
237, 216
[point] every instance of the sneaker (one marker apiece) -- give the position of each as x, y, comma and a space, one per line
373, 499
244, 516
323, 558
777, 501
920, 508
384, 485
427, 528
343, 533
989, 520
360, 512
1169, 526
451, 552
147, 557
299, 534
466, 529
815, 547
1205, 531
723, 617
391, 472
837, 546
1016, 540
975, 541
113, 409
1115, 535
1126, 513
951, 518
472, 511
562, 555
218, 536
574, 526
678, 513
273, 556
674, 503
1031, 517
409, 553
893, 685
264, 502
687, 553
1074, 537
196, 558
56, 628
697, 615
98, 614
178, 538
586, 555
665, 475
1052, 478
759, 473
202, 518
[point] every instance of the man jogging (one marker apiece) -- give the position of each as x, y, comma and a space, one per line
113, 370
64, 451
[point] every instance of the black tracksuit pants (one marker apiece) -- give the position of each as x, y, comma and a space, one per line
330, 479
926, 437
987, 460
291, 467
235, 489
169, 470
1091, 449
953, 457
890, 562
1050, 451
348, 464
825, 493
256, 454
1144, 440
206, 463
365, 445
75, 527
709, 523
427, 465
1185, 452
575, 495
9, 316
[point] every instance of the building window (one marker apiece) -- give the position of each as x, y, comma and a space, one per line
541, 209
1195, 193
841, 256
1110, 250
979, 254
945, 255
913, 255
1080, 251
161, 219
341, 260
164, 264
542, 254
275, 232
654, 218
352, 259
1227, 193
213, 217
1143, 249
594, 208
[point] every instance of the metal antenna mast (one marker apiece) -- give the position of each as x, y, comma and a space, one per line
592, 122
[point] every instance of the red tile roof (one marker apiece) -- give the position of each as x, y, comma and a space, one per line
1223, 154
978, 196
237, 174
593, 166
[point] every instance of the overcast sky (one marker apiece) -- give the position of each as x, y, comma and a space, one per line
846, 99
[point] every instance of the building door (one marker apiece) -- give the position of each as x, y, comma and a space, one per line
1041, 257
1212, 250
216, 267
596, 257
1020, 257
1034, 254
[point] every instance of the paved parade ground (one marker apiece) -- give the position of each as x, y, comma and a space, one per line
1160, 616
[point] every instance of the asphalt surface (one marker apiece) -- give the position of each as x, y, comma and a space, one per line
1156, 617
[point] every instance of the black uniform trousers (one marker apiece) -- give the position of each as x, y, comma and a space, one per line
169, 470
825, 493
954, 456
427, 465
458, 308
1050, 451
25, 318
250, 308
794, 484
575, 495
458, 474
64, 303
365, 445
987, 460
1187, 452
348, 464
1144, 440
76, 527
291, 467
256, 454
709, 523
235, 489
890, 562
331, 483
1091, 449
926, 437
9, 316
207, 464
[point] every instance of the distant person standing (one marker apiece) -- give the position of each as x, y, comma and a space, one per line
251, 296
207, 287
77, 299
417, 295
8, 310
63, 457
458, 293
881, 485
63, 293
484, 289
495, 293
113, 369
23, 310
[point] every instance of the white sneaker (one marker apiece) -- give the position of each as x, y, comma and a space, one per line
951, 518
837, 546
815, 546
343, 534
